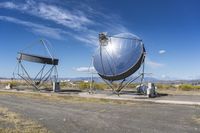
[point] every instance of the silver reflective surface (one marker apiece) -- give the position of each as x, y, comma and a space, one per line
122, 53
37, 59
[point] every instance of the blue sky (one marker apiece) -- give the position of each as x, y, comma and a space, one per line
170, 30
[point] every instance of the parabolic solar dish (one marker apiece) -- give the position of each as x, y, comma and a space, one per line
118, 56
48, 65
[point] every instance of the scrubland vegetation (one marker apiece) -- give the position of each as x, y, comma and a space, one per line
181, 87
103, 86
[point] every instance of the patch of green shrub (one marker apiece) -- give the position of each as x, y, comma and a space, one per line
83, 85
197, 88
186, 87
165, 86
100, 86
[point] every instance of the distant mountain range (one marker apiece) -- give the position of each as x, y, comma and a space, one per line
146, 79
96, 79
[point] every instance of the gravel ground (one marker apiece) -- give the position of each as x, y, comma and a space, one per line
66, 117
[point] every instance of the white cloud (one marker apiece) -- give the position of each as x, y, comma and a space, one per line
154, 64
85, 69
8, 5
77, 21
88, 38
61, 16
37, 28
162, 51
55, 33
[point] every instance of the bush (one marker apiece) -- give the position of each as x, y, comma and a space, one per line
164, 86
186, 87
99, 86
197, 88
83, 85
65, 85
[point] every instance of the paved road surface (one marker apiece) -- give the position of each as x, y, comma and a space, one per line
106, 118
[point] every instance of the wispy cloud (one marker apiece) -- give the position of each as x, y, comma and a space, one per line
162, 51
153, 64
8, 5
82, 24
61, 16
37, 28
85, 69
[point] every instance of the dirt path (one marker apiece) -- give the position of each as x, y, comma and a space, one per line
66, 117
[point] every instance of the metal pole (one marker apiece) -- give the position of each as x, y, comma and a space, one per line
47, 48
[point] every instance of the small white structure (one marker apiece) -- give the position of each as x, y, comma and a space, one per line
72, 85
56, 86
151, 90
86, 81
9, 86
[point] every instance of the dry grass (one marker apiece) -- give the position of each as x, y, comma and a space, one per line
14, 123
196, 119
65, 98
179, 92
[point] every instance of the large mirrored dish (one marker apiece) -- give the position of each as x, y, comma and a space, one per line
120, 57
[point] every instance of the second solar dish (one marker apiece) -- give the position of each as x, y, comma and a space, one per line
118, 56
